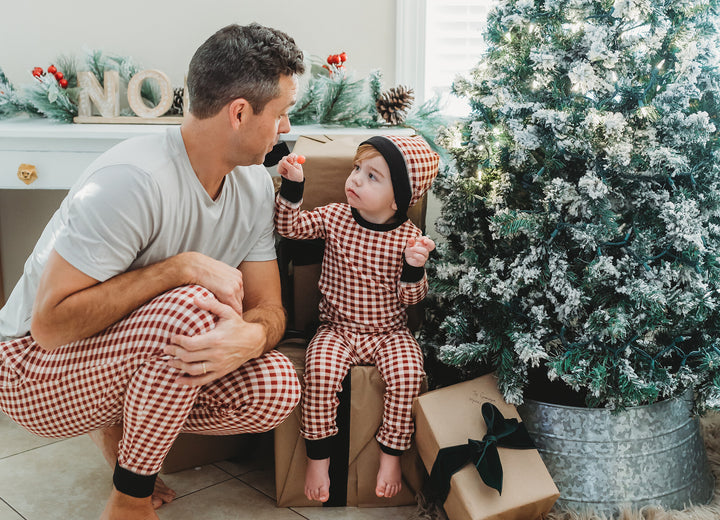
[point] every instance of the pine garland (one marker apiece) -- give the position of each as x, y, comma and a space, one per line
11, 103
45, 98
334, 97
342, 101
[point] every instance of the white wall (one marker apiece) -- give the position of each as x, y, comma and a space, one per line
163, 34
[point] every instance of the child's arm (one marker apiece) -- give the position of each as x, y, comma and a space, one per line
290, 222
413, 281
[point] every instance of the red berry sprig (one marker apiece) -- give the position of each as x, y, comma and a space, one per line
52, 69
336, 61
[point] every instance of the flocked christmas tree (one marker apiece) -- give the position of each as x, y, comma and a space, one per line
581, 211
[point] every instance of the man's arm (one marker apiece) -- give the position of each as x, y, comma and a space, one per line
71, 305
236, 338
262, 302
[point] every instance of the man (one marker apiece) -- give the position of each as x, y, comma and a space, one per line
151, 302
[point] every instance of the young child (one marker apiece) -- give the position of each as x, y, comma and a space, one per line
372, 269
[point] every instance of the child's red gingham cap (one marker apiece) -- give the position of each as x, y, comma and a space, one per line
418, 160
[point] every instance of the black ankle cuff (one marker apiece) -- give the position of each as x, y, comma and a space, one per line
390, 451
319, 449
132, 484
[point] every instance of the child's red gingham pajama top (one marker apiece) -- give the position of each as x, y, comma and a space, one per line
362, 314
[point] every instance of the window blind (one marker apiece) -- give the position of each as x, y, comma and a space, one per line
453, 44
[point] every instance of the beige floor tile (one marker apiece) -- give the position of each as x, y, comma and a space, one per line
236, 467
67, 479
6, 512
357, 513
230, 500
263, 480
185, 482
16, 439
70, 479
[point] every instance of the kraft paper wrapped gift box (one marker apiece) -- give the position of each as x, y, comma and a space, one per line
451, 416
353, 468
191, 450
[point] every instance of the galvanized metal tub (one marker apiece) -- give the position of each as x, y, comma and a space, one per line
600, 460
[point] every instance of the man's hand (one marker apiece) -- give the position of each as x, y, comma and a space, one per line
238, 336
290, 167
210, 356
417, 251
224, 281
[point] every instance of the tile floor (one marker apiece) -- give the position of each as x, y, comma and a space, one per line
46, 479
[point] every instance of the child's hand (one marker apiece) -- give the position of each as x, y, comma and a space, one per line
417, 251
290, 167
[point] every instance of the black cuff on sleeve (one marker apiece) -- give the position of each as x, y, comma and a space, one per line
292, 191
390, 451
132, 484
411, 273
320, 449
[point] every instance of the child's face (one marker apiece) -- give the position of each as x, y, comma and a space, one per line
369, 190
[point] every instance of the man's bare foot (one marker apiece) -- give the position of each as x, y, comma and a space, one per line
123, 507
389, 477
107, 440
162, 494
317, 480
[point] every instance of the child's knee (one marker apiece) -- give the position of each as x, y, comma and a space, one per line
407, 380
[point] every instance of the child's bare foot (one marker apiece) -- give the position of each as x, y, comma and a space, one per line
317, 480
389, 477
123, 507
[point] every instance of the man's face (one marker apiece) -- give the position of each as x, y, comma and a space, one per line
261, 131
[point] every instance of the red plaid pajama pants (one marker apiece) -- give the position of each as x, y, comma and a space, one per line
121, 375
330, 355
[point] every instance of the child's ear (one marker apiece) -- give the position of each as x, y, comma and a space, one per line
393, 206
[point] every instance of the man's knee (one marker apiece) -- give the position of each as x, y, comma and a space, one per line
177, 312
280, 391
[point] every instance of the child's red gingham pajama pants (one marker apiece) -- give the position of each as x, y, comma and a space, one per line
331, 353
121, 376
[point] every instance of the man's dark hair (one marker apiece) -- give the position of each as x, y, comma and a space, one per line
241, 62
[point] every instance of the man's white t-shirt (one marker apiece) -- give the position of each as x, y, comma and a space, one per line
140, 203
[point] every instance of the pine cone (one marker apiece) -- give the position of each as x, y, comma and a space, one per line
393, 104
177, 104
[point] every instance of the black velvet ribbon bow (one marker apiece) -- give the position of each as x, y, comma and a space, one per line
501, 433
